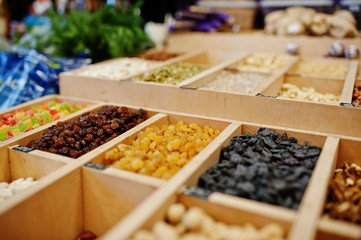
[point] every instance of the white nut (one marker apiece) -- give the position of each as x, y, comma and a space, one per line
163, 231
192, 219
175, 213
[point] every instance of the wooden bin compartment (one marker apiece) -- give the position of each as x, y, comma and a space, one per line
25, 137
158, 120
24, 141
76, 200
320, 85
219, 213
210, 60
329, 228
23, 166
46, 99
321, 68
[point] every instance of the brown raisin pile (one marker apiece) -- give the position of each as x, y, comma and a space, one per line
92, 129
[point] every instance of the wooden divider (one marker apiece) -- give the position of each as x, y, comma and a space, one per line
257, 212
337, 230
24, 138
206, 75
347, 92
311, 207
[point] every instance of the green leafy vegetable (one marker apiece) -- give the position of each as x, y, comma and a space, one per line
104, 34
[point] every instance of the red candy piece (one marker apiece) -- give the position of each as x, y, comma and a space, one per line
55, 117
7, 115
10, 133
30, 113
53, 111
28, 129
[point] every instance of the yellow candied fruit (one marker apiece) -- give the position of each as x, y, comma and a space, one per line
161, 151
28, 123
19, 115
4, 128
36, 125
16, 132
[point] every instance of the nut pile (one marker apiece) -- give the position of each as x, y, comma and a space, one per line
159, 56
77, 137
10, 189
161, 151
356, 97
194, 223
117, 69
319, 68
171, 74
262, 167
263, 62
309, 94
344, 196
236, 81
306, 21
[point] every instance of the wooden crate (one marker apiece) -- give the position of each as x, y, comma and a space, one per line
21, 139
73, 196
190, 97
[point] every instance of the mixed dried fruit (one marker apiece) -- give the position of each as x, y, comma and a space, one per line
77, 137
161, 151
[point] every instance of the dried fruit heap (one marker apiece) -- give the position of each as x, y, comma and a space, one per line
15, 123
262, 167
92, 129
161, 151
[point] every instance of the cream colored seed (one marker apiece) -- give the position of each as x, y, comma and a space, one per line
319, 68
338, 170
236, 82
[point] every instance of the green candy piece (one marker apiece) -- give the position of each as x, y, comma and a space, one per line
25, 118
23, 127
34, 120
12, 128
3, 136
64, 106
35, 107
73, 110
52, 104
46, 117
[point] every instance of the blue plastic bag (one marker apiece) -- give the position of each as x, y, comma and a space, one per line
27, 74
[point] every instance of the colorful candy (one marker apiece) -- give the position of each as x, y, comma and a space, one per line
20, 121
